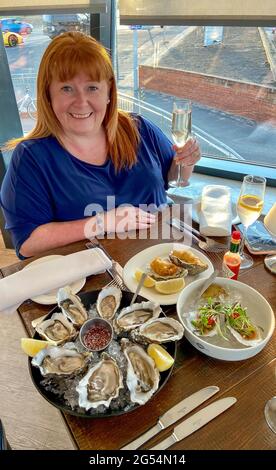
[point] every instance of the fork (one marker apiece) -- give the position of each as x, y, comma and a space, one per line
210, 241
208, 244
116, 270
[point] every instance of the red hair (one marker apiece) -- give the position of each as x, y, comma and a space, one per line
65, 57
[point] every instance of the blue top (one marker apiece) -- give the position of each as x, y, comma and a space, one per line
45, 183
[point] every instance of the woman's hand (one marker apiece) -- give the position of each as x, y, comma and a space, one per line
187, 157
124, 219
189, 154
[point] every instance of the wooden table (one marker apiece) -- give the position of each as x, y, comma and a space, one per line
252, 381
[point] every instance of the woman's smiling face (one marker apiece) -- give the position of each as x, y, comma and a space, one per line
79, 104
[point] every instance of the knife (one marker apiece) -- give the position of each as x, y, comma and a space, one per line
174, 414
115, 265
195, 422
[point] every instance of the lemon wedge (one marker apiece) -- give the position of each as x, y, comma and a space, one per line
171, 286
32, 346
163, 360
148, 282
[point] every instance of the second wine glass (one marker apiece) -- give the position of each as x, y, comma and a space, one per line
181, 127
249, 208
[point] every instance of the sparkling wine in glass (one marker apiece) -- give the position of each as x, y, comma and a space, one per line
249, 208
181, 128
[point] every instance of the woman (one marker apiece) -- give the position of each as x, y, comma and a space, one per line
84, 158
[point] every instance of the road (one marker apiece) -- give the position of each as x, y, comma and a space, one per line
252, 141
246, 139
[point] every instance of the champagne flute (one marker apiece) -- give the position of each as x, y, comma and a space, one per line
270, 413
181, 127
249, 207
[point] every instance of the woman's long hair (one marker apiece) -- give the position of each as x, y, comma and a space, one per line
65, 57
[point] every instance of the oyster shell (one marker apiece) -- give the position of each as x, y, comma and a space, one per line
56, 329
195, 316
108, 302
60, 360
135, 315
161, 269
101, 384
215, 291
242, 339
142, 374
160, 330
186, 259
71, 306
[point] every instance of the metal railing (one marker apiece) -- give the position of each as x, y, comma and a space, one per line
210, 146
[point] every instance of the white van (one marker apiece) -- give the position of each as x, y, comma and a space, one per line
53, 25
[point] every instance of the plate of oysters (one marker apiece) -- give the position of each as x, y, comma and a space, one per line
169, 267
102, 357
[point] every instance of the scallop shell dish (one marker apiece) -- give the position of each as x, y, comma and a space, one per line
119, 377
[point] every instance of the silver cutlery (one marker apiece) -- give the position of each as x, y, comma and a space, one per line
209, 245
195, 422
116, 271
141, 282
208, 240
174, 414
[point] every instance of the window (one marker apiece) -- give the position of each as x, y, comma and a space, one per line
228, 70
209, 65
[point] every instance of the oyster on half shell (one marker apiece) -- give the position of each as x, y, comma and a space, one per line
135, 315
56, 329
101, 384
186, 259
246, 341
71, 306
160, 330
142, 375
108, 302
60, 360
198, 326
161, 269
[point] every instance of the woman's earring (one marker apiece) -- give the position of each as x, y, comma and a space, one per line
108, 101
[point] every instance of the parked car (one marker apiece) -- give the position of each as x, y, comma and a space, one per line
53, 25
15, 25
12, 39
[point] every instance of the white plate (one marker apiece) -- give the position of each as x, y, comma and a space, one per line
142, 260
50, 297
196, 211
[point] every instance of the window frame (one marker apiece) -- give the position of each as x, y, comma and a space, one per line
215, 166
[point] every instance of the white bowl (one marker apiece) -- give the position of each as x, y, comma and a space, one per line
258, 310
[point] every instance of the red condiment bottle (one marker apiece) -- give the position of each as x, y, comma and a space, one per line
232, 260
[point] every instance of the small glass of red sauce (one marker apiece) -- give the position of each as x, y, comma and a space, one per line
96, 334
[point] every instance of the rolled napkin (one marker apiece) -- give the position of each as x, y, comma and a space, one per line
270, 220
44, 277
215, 217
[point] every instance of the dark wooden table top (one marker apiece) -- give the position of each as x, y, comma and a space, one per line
252, 381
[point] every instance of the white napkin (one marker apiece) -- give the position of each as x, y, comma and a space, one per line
215, 218
44, 277
270, 220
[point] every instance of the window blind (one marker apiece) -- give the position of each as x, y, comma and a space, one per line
21, 7
184, 11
